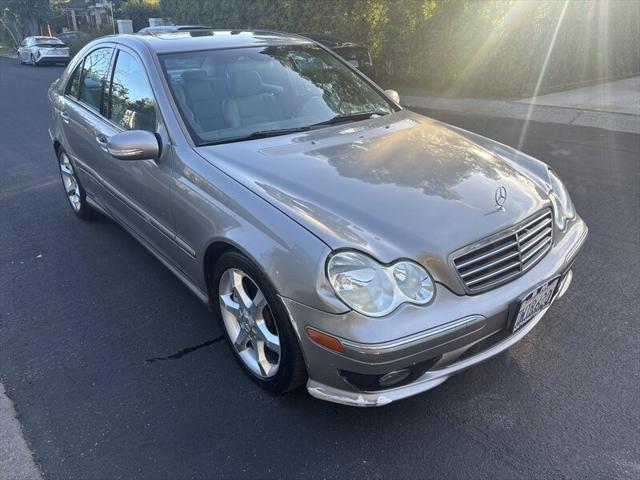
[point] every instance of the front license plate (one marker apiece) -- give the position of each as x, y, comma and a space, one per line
535, 301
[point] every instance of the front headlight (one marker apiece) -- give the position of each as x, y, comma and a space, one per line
375, 290
563, 208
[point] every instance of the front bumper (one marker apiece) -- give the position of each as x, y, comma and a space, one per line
448, 336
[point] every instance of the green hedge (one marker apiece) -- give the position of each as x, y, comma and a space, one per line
458, 47
139, 12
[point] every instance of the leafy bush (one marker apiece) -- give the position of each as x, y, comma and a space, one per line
77, 44
139, 12
457, 47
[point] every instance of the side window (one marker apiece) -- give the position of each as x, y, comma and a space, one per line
94, 74
132, 104
73, 84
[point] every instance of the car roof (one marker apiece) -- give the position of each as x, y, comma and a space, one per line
173, 28
185, 41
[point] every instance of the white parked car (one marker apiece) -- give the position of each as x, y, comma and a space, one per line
40, 50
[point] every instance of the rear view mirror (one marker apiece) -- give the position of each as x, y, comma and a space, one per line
393, 95
134, 145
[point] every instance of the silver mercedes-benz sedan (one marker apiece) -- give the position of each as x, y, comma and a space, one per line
341, 241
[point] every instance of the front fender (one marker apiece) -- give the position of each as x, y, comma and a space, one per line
212, 208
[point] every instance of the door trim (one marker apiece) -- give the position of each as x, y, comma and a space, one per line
150, 219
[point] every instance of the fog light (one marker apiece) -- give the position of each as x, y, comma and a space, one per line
394, 377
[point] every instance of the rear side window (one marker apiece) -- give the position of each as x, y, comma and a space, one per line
73, 84
132, 104
94, 74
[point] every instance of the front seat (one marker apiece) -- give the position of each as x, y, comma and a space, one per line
202, 100
250, 102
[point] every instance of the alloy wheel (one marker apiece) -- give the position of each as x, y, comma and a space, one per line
70, 182
249, 323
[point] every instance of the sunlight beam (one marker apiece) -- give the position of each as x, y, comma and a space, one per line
543, 70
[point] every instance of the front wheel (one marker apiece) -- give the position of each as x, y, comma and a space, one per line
256, 324
33, 60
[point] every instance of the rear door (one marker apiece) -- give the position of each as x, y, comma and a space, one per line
81, 106
139, 191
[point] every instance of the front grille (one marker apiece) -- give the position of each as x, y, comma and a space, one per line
506, 256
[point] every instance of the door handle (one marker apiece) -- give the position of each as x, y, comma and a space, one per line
64, 116
101, 140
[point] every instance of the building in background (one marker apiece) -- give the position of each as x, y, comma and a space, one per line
87, 14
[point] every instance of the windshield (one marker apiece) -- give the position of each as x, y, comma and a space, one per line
228, 95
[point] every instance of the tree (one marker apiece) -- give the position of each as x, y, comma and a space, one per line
460, 47
21, 18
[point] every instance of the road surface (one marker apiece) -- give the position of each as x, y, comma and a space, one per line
84, 310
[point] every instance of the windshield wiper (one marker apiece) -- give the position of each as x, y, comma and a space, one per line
275, 133
260, 134
350, 117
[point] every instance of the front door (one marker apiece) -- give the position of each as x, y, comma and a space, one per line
139, 191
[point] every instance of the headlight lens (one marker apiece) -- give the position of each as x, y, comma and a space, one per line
563, 208
374, 289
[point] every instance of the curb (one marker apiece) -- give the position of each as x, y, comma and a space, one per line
16, 459
617, 122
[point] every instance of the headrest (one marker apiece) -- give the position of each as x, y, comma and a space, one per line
194, 75
243, 84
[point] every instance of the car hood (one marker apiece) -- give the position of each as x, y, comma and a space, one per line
398, 186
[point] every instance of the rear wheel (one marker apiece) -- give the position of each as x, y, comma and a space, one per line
76, 195
256, 324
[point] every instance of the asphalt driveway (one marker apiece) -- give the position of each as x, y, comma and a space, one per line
117, 371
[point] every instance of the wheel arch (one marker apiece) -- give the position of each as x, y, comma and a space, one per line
211, 255
218, 247
271, 258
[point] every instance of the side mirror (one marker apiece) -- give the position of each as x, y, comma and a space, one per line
134, 145
393, 95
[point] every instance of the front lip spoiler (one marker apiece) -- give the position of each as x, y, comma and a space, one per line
431, 378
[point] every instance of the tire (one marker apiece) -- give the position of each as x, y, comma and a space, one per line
73, 189
290, 372
33, 61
